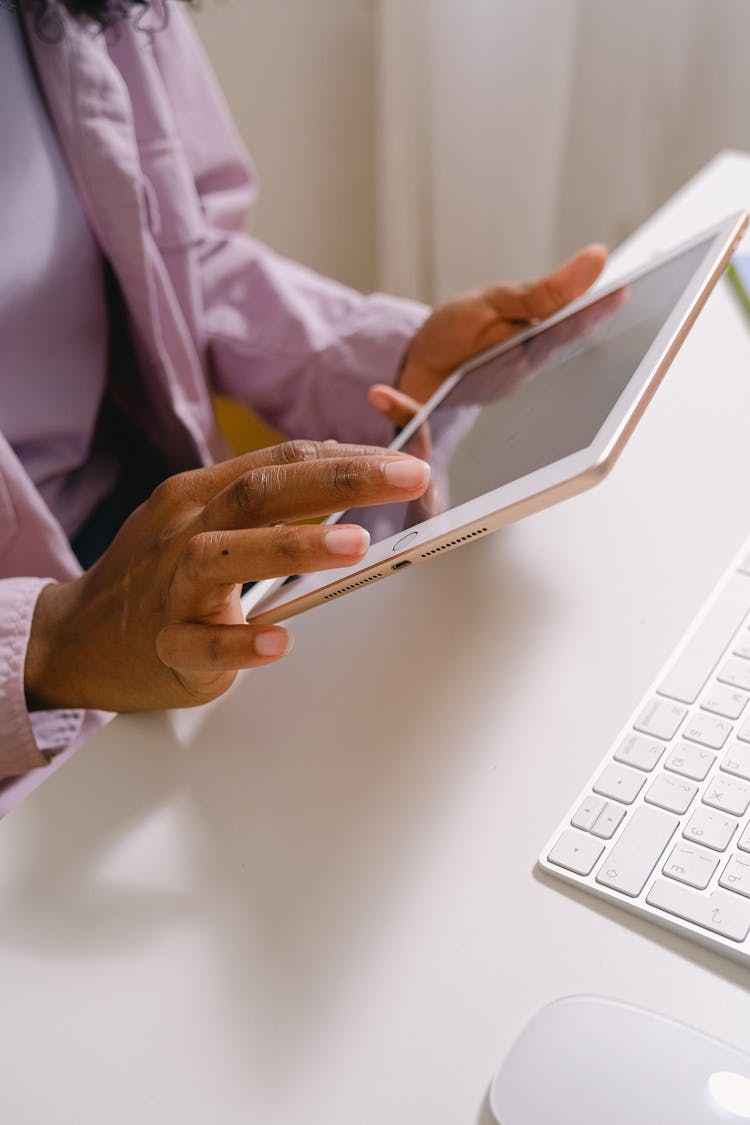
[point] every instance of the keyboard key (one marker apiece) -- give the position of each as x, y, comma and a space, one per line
707, 731
698, 659
723, 914
744, 840
728, 794
588, 811
736, 673
619, 782
691, 865
576, 852
642, 753
712, 829
723, 700
744, 731
637, 851
741, 646
690, 761
736, 876
737, 761
671, 793
660, 719
608, 821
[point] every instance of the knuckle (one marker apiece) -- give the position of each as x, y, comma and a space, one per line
169, 508
251, 491
291, 543
168, 645
195, 555
168, 492
216, 649
293, 452
525, 295
180, 488
347, 477
552, 297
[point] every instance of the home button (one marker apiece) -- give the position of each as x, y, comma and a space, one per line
404, 541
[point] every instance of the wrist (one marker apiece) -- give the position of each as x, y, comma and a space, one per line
45, 667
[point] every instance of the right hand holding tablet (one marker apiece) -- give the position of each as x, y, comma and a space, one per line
157, 621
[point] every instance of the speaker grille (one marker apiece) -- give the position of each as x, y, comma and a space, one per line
352, 586
455, 542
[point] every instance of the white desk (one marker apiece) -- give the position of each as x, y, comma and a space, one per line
315, 903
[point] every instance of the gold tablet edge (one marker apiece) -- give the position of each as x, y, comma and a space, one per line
531, 504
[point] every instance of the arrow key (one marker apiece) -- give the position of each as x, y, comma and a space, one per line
576, 852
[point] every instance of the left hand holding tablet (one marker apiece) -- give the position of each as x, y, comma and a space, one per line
474, 321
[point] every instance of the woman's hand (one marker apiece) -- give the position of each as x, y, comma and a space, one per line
469, 324
157, 621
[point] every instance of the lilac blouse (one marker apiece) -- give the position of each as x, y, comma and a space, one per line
53, 325
166, 187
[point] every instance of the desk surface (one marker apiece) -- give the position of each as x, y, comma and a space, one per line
315, 902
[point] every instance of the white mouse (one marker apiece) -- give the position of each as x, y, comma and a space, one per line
587, 1060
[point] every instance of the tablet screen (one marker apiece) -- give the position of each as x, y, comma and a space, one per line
537, 402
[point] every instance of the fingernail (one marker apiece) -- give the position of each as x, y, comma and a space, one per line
348, 540
273, 643
409, 473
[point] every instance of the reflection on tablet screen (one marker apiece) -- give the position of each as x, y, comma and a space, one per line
538, 402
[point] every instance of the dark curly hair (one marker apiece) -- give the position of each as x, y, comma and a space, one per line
103, 12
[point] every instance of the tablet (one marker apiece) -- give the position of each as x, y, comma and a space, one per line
530, 422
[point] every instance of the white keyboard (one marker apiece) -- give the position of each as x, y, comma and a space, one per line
663, 826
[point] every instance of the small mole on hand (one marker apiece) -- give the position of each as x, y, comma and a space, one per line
225, 551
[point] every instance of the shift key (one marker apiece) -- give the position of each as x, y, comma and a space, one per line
703, 651
727, 915
637, 851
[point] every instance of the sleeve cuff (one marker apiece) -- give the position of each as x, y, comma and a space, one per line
27, 741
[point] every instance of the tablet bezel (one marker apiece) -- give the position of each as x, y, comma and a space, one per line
267, 603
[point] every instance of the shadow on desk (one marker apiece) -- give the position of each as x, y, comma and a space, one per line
291, 827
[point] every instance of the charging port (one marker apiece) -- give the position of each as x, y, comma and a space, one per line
401, 565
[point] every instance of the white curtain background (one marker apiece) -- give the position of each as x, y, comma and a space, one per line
511, 131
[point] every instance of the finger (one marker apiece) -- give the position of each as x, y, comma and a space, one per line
539, 299
393, 404
289, 493
211, 649
495, 377
574, 328
400, 409
229, 558
203, 484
